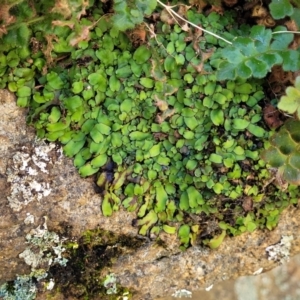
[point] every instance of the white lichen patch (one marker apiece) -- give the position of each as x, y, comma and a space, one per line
209, 288
257, 272
50, 285
280, 251
29, 219
44, 248
182, 294
24, 174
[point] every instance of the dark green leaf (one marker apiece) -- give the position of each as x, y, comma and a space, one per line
147, 82
256, 130
291, 174
226, 71
184, 201
103, 128
262, 37
215, 158
99, 81
54, 81
146, 6
270, 59
217, 116
281, 41
191, 122
24, 91
77, 87
245, 46
240, 124
243, 71
280, 9
141, 54
169, 63
274, 157
184, 234
291, 60
232, 54
296, 16
295, 160
258, 67
220, 97
73, 103
22, 101
106, 56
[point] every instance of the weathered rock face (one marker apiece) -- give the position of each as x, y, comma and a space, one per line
37, 181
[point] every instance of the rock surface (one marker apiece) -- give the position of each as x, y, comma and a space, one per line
37, 181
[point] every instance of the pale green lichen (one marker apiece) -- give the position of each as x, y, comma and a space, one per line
112, 288
45, 248
110, 283
23, 287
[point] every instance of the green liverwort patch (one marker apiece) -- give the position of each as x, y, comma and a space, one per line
162, 136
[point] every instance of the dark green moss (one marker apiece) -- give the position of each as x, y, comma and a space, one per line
95, 250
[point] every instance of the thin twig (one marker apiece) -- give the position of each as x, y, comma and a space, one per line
172, 12
286, 31
154, 35
16, 25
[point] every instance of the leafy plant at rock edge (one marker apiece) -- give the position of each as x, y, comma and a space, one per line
165, 138
255, 55
284, 150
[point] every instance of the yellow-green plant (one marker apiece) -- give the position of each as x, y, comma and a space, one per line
290, 103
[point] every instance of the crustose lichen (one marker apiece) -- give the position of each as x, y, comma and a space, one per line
280, 251
45, 248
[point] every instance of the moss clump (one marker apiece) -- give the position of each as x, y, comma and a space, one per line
82, 276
